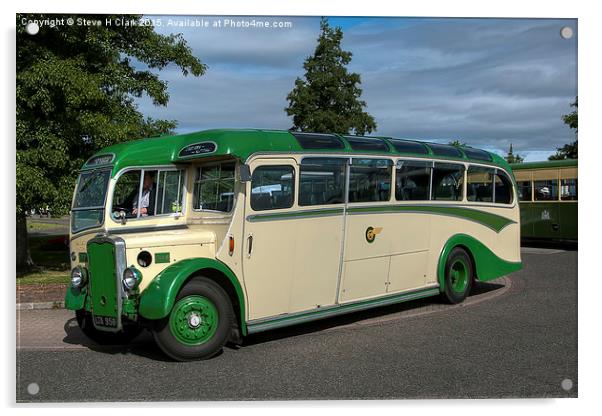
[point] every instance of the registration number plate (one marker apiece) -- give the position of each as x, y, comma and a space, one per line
107, 321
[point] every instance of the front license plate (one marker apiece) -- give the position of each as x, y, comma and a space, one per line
107, 321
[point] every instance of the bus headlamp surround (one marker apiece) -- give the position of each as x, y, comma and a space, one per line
131, 278
79, 277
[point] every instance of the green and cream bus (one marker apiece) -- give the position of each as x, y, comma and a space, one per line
206, 237
547, 195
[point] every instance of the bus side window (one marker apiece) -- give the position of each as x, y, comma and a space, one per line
322, 181
413, 180
546, 190
568, 189
272, 187
503, 188
448, 181
170, 188
370, 180
480, 184
524, 191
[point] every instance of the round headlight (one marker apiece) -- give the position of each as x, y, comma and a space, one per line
131, 278
79, 277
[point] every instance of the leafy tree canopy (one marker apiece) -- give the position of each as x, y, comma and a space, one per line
75, 91
569, 150
328, 98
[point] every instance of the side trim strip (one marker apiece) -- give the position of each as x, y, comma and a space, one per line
496, 222
279, 321
325, 212
493, 221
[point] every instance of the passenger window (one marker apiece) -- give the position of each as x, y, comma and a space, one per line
524, 191
272, 187
479, 182
370, 180
170, 189
568, 189
413, 180
546, 190
503, 188
322, 181
448, 180
214, 187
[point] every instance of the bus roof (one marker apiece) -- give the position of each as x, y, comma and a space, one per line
545, 164
242, 143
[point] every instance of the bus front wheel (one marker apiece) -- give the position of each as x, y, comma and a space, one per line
199, 324
459, 275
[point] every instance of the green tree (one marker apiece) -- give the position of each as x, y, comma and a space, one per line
457, 143
512, 158
75, 93
569, 150
328, 98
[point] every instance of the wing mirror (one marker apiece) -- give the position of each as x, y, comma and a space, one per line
245, 173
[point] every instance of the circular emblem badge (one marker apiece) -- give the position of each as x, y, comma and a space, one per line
371, 233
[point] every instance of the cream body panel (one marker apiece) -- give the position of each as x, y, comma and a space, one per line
365, 278
316, 262
407, 271
400, 235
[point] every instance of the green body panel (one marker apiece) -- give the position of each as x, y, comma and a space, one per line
549, 220
75, 299
238, 143
158, 298
488, 266
103, 281
162, 258
493, 221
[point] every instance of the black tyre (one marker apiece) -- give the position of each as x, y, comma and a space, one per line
459, 275
84, 320
199, 323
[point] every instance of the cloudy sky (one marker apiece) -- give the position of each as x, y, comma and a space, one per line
487, 82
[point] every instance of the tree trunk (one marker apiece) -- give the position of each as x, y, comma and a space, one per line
24, 260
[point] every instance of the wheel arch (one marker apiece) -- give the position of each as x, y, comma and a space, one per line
487, 265
158, 298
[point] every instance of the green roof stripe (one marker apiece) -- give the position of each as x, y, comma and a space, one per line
238, 143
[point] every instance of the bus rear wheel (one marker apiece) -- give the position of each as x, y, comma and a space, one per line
199, 324
459, 275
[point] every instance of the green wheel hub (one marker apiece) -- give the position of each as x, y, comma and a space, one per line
459, 276
193, 320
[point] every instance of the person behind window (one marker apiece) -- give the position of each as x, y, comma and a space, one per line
147, 200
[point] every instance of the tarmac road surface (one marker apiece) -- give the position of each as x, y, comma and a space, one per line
514, 337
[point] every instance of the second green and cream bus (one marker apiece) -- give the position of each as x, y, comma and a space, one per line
206, 237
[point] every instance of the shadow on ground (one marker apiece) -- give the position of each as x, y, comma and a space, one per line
144, 345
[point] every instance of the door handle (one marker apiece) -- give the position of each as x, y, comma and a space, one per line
249, 245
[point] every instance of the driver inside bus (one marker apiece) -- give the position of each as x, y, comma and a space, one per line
147, 199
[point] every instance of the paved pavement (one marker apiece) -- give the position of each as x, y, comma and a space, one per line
514, 337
